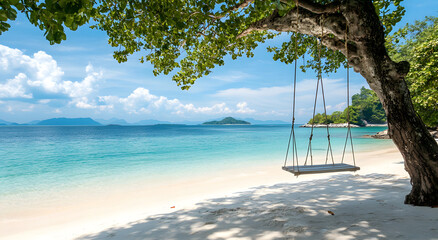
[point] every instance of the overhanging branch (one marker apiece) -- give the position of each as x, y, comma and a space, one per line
339, 45
328, 24
243, 4
303, 21
317, 8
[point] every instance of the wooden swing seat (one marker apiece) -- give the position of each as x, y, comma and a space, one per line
322, 168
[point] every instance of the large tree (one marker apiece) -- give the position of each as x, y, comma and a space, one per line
192, 37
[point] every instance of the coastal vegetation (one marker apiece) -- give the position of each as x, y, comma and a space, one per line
189, 39
366, 108
418, 44
227, 121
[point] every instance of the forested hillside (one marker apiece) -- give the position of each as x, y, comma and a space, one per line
365, 108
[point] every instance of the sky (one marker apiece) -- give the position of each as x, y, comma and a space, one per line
80, 78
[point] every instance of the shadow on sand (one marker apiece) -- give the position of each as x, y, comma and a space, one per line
364, 207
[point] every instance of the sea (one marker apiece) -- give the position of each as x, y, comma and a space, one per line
43, 162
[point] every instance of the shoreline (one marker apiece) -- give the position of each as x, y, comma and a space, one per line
96, 213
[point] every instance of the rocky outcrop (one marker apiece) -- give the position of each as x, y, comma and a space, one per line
384, 134
381, 135
376, 125
434, 134
367, 124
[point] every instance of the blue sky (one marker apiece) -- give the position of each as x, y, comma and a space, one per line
80, 78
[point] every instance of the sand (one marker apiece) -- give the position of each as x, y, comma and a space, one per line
260, 202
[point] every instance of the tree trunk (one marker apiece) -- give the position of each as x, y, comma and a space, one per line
418, 148
386, 78
415, 143
357, 21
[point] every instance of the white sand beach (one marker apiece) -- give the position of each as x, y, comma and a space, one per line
251, 203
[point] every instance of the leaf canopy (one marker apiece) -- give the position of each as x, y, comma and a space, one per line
185, 38
51, 16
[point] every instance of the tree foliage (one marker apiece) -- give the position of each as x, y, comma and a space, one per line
368, 106
185, 38
191, 37
365, 108
418, 44
50, 15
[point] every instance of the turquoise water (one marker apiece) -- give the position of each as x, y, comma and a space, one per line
38, 160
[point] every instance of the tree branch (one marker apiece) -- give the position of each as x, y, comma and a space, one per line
305, 22
331, 28
241, 5
339, 45
317, 8
244, 4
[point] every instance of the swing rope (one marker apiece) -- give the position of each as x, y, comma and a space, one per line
292, 131
323, 168
348, 105
329, 147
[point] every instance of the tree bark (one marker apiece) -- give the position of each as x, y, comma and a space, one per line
368, 56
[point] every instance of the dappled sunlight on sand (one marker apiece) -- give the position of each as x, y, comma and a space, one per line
364, 207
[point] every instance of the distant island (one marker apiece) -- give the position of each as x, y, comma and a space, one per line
69, 122
227, 121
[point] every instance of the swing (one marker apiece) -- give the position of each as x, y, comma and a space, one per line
297, 169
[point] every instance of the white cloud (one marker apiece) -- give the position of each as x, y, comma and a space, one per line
219, 108
83, 102
9, 56
41, 74
14, 88
46, 73
141, 101
138, 99
242, 107
83, 88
